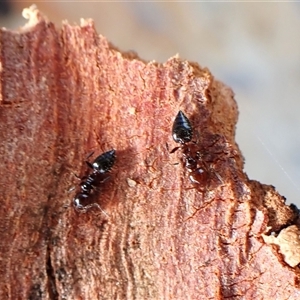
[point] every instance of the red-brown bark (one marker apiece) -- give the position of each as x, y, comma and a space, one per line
68, 92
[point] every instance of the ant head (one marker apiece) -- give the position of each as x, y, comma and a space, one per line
182, 130
80, 201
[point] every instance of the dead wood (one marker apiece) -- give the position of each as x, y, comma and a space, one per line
66, 92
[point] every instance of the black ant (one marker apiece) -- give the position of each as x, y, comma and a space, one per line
101, 165
182, 133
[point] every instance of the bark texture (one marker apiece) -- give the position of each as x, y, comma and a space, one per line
66, 92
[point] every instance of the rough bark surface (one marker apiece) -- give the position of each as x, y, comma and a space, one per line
66, 92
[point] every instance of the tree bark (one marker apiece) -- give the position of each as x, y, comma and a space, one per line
66, 92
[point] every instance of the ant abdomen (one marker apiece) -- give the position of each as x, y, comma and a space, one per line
104, 162
182, 131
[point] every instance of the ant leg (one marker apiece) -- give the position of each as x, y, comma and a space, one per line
71, 189
97, 188
89, 155
84, 209
167, 147
173, 150
77, 176
87, 162
98, 206
207, 168
106, 178
89, 165
219, 177
212, 170
197, 138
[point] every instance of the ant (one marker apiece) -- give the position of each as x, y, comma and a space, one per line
182, 133
101, 165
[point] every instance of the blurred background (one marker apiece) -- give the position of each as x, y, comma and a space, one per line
252, 47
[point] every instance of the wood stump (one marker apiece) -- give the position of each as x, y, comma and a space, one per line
66, 92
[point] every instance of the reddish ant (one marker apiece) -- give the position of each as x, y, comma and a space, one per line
101, 165
182, 133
